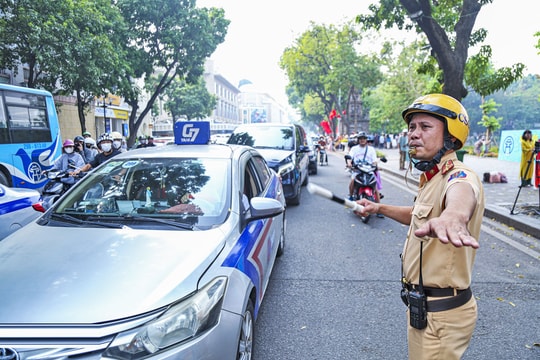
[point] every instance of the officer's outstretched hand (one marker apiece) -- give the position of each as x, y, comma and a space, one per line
448, 228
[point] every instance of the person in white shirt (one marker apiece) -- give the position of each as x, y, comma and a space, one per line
362, 152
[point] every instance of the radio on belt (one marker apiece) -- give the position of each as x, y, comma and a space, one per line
191, 132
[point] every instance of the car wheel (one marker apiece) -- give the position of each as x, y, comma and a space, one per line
247, 331
295, 200
306, 179
281, 246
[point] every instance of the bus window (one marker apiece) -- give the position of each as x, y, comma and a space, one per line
30, 139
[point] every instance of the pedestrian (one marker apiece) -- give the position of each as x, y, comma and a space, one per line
403, 149
478, 145
527, 152
444, 227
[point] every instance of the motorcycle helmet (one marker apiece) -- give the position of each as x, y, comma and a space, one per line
116, 135
452, 113
362, 135
78, 138
105, 137
86, 134
445, 108
90, 141
68, 142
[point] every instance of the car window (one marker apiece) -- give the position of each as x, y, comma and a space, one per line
273, 137
167, 188
262, 170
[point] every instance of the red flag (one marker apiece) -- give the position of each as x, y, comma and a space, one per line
332, 114
326, 127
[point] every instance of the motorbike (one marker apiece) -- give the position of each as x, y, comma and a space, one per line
323, 156
365, 183
59, 182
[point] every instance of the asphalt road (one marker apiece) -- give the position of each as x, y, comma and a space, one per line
334, 294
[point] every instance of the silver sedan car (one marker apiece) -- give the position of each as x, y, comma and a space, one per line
159, 253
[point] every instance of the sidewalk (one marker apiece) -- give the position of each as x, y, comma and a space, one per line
500, 197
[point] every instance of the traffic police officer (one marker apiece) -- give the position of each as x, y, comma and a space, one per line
445, 220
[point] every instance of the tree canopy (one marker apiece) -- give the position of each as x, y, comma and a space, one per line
448, 27
324, 65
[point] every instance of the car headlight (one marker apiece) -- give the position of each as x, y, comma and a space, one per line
181, 322
285, 168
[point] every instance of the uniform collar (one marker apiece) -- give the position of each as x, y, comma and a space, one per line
446, 164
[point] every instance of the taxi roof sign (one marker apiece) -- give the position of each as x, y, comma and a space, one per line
191, 132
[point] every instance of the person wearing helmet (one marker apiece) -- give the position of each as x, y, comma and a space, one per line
117, 141
70, 160
444, 227
90, 149
79, 146
362, 151
105, 144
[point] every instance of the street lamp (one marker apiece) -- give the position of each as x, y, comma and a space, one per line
104, 104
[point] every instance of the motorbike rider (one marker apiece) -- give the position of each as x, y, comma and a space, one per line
118, 140
362, 152
321, 145
69, 161
105, 144
79, 146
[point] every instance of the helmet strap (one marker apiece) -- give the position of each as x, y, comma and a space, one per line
428, 165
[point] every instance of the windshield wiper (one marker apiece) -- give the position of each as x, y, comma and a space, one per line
161, 221
78, 221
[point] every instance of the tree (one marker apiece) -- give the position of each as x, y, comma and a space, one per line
448, 26
324, 64
491, 123
403, 81
190, 100
172, 36
68, 47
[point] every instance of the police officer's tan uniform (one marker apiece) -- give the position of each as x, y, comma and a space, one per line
448, 332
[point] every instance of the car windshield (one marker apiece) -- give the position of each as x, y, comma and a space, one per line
185, 190
264, 137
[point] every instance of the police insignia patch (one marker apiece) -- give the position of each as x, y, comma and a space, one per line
449, 165
457, 175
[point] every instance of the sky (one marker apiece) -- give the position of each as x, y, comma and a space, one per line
260, 30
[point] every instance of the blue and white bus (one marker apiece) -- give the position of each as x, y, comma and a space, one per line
29, 136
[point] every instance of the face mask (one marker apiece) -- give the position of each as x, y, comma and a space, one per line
117, 144
68, 150
106, 147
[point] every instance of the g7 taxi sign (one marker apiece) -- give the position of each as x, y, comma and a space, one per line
191, 132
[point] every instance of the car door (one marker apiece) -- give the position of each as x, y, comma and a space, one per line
262, 236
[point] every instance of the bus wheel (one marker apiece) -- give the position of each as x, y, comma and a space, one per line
4, 179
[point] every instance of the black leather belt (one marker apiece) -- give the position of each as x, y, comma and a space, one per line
456, 298
436, 292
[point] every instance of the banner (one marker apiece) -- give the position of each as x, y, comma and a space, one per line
326, 127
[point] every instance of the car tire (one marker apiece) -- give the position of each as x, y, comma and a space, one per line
281, 246
306, 179
247, 332
295, 200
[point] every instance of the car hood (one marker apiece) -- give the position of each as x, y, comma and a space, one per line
66, 275
274, 156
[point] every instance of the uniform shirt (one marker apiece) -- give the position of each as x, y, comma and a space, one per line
357, 154
443, 265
